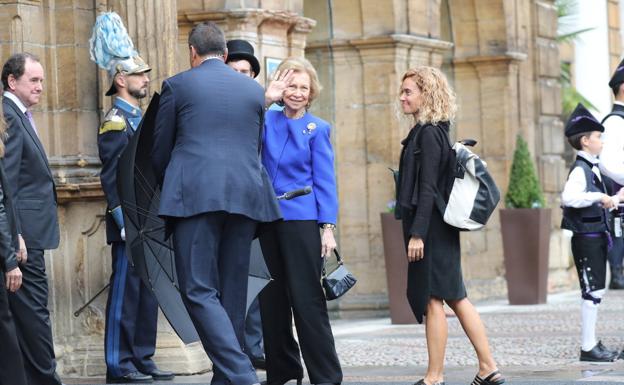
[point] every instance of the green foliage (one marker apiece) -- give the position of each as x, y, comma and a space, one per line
524, 190
567, 17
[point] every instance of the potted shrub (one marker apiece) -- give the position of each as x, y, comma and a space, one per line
525, 227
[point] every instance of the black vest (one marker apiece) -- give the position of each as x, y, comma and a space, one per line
590, 219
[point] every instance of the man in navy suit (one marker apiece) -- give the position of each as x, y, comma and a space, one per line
214, 192
32, 184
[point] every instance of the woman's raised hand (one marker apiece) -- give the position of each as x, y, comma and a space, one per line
279, 83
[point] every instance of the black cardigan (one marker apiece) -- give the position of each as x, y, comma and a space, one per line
422, 174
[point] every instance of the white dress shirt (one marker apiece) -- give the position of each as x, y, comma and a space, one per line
575, 192
612, 155
15, 100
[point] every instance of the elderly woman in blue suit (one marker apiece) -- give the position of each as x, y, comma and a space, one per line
297, 152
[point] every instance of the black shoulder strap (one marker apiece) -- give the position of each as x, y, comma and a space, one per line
613, 113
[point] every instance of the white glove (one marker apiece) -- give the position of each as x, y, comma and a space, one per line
123, 234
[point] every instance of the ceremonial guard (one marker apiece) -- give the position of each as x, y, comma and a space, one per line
131, 309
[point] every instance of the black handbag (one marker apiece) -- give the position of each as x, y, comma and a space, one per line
337, 282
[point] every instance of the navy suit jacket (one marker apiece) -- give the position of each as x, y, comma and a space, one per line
30, 180
206, 144
298, 153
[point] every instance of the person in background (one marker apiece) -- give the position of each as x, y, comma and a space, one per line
297, 152
434, 273
585, 202
242, 60
131, 308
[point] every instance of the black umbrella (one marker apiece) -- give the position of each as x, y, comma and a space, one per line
259, 275
148, 250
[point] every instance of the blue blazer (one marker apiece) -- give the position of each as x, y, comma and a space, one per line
206, 145
298, 153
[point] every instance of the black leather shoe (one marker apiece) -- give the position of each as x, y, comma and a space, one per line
598, 354
130, 378
161, 375
614, 353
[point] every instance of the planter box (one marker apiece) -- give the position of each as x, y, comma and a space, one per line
396, 269
526, 238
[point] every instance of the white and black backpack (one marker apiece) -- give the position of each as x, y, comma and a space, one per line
471, 194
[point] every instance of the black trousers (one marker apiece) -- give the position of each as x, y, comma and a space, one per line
29, 306
292, 250
11, 363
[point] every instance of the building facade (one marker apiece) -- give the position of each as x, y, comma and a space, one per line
500, 55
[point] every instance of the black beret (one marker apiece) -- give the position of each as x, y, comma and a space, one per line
618, 76
580, 121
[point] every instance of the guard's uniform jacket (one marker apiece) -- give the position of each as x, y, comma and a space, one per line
131, 309
119, 125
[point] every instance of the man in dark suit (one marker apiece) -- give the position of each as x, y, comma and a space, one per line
214, 191
34, 196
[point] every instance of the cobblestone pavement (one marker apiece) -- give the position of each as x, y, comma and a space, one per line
536, 344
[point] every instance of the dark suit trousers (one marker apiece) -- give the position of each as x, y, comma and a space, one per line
212, 262
11, 363
32, 320
131, 319
292, 250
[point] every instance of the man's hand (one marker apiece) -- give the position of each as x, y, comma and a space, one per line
13, 279
123, 234
328, 242
620, 194
607, 202
22, 254
278, 85
415, 249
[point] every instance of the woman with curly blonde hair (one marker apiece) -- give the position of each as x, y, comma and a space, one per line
433, 249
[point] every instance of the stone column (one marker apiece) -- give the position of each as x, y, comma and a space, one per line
550, 140
275, 34
488, 98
